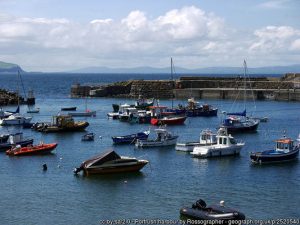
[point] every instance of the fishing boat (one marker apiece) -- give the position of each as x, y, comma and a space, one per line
194, 109
130, 139
31, 150
15, 119
141, 116
285, 150
127, 114
143, 104
110, 162
201, 212
34, 110
226, 145
163, 138
13, 140
206, 138
68, 109
88, 137
62, 123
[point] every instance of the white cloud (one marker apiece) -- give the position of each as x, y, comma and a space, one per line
274, 4
274, 38
192, 36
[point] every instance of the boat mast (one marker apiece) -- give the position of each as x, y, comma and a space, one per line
245, 69
172, 81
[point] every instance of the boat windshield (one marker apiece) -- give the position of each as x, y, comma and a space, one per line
232, 141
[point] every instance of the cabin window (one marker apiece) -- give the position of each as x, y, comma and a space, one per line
220, 140
225, 141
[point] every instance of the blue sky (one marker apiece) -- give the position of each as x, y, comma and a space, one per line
57, 35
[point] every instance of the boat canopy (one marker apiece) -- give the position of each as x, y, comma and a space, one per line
102, 158
238, 113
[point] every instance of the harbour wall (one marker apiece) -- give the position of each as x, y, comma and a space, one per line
285, 88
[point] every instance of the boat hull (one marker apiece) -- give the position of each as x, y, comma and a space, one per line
153, 143
82, 114
187, 147
260, 158
116, 169
8, 122
69, 109
201, 112
168, 121
33, 150
251, 128
130, 139
217, 152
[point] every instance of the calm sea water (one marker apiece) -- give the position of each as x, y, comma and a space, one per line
171, 180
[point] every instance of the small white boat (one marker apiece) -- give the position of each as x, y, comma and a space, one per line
15, 119
36, 110
226, 145
164, 138
206, 138
113, 115
82, 114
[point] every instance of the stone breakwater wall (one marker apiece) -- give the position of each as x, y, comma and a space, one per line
281, 88
10, 98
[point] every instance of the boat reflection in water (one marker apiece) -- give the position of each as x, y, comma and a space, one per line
110, 162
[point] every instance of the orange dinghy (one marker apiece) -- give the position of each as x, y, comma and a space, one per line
32, 150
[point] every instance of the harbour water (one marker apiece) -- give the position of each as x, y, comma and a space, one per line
171, 180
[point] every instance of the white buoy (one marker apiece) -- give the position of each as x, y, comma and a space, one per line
222, 203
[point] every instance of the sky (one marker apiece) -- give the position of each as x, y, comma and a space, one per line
63, 35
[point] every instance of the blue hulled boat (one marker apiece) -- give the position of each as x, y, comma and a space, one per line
195, 109
238, 122
285, 150
13, 140
130, 139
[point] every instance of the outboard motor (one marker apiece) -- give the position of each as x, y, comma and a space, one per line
77, 170
200, 204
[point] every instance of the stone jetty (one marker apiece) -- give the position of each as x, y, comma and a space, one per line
285, 88
10, 98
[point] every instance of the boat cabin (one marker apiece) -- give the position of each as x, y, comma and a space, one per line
225, 139
162, 134
157, 110
62, 120
207, 137
284, 144
14, 138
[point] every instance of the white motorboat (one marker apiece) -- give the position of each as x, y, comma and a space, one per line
226, 145
15, 119
164, 138
206, 138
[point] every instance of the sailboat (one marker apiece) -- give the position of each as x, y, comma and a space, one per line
170, 116
238, 121
86, 113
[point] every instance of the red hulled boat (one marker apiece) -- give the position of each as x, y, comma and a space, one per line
32, 150
176, 120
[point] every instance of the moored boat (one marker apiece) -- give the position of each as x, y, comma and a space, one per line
163, 138
205, 110
168, 120
219, 213
31, 150
285, 150
35, 110
88, 137
62, 123
82, 114
206, 138
226, 145
110, 162
68, 109
130, 139
15, 119
13, 140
